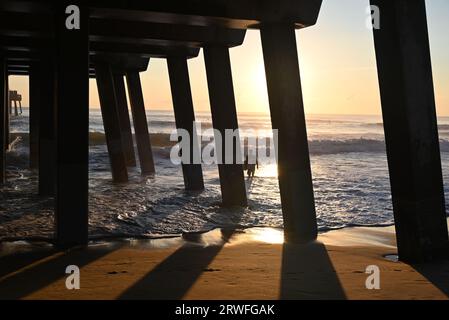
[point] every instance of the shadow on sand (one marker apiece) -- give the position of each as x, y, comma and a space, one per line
179, 271
437, 273
16, 261
307, 273
41, 269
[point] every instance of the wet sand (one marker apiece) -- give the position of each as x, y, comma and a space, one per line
222, 264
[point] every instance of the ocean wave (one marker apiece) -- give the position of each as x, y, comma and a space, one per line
443, 127
316, 146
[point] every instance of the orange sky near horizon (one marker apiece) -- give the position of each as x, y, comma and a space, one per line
337, 62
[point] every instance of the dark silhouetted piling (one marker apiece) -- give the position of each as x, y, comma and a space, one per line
47, 128
224, 116
16, 109
125, 124
72, 130
3, 111
34, 92
7, 115
287, 116
108, 102
140, 123
411, 132
185, 117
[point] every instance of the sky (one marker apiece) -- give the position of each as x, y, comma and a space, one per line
337, 64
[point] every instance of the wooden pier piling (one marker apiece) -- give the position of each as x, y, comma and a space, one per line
47, 127
411, 131
185, 118
72, 127
3, 112
35, 99
111, 121
140, 123
124, 121
287, 117
224, 117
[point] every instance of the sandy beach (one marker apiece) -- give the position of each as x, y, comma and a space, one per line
222, 264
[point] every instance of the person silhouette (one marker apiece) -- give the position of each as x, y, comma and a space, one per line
251, 166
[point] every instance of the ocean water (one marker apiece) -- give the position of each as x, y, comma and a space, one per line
349, 167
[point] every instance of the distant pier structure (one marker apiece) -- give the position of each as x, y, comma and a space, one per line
15, 100
60, 44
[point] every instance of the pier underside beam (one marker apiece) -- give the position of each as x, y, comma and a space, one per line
111, 122
185, 117
411, 132
287, 116
26, 48
125, 124
142, 135
224, 116
231, 14
72, 130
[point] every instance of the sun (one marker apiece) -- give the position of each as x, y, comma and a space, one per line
256, 89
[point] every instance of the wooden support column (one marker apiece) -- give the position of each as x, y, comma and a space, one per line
185, 117
125, 123
9, 101
411, 132
140, 123
108, 102
287, 116
34, 90
4, 109
224, 116
7, 115
16, 110
47, 127
72, 130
